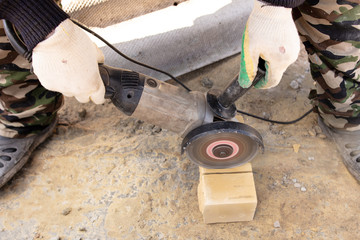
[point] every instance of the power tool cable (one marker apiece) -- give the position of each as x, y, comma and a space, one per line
177, 80
274, 121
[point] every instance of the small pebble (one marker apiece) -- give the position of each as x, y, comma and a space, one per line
297, 185
322, 136
300, 78
206, 82
277, 224
66, 211
317, 129
312, 133
311, 158
294, 180
82, 229
303, 189
294, 84
266, 115
82, 114
156, 129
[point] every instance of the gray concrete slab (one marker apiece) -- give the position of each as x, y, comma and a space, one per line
178, 39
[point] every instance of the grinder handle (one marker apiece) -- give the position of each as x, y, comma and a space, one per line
123, 87
234, 91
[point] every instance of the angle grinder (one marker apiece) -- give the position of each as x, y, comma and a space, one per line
212, 137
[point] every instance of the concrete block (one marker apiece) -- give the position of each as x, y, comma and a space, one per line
242, 169
227, 195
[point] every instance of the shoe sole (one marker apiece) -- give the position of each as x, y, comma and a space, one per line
40, 138
346, 147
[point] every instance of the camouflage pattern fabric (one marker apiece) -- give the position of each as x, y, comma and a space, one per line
25, 106
330, 32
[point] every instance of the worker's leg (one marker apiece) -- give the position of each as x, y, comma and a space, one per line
329, 30
332, 41
26, 109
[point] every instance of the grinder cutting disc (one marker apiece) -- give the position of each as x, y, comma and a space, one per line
222, 144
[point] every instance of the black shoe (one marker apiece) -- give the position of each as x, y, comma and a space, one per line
14, 153
348, 144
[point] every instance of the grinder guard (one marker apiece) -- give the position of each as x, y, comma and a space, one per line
223, 144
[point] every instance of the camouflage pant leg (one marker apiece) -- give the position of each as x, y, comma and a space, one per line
330, 32
25, 106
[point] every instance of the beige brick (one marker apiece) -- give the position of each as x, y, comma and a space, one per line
244, 168
227, 197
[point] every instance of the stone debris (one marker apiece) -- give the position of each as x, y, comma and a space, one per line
322, 136
294, 84
300, 78
156, 129
297, 185
312, 133
277, 224
266, 115
206, 82
303, 189
296, 147
317, 129
66, 211
240, 118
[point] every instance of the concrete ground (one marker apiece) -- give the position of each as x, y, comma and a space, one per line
103, 175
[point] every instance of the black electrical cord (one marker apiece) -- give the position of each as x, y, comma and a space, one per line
274, 121
177, 80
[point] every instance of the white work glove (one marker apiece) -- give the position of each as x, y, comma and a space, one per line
271, 34
67, 62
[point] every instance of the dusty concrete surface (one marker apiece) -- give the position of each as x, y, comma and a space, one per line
103, 175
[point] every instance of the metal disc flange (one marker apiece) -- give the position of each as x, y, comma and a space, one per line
222, 144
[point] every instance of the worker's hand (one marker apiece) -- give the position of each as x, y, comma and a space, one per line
271, 34
67, 62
